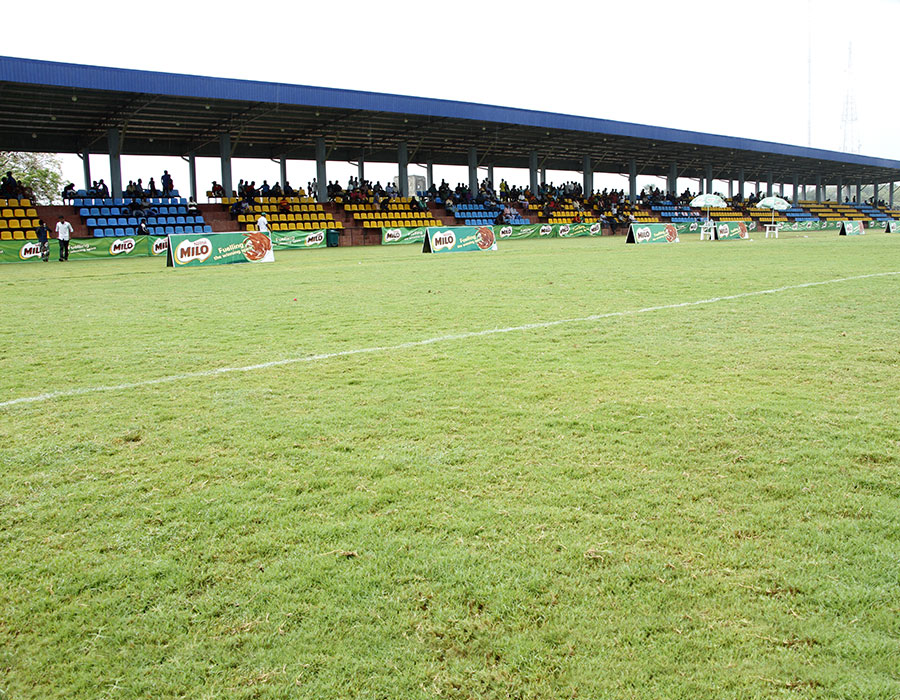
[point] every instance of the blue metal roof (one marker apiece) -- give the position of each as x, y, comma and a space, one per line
84, 77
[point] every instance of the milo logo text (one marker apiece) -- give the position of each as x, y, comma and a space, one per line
564, 230
188, 251
126, 245
506, 232
159, 246
30, 250
315, 238
546, 230
595, 229
447, 240
392, 234
642, 234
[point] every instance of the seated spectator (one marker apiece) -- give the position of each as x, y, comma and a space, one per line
284, 206
102, 189
143, 229
69, 191
217, 190
264, 189
275, 191
288, 190
192, 208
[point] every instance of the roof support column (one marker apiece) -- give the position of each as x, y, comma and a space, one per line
115, 161
741, 183
840, 189
587, 172
543, 176
429, 174
891, 196
533, 172
781, 190
730, 188
632, 180
770, 185
321, 172
86, 164
403, 168
192, 175
858, 190
282, 172
473, 170
818, 189
874, 194
361, 168
491, 175
796, 196
225, 158
672, 180
709, 179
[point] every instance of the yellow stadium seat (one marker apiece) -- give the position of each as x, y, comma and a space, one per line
6, 235
13, 223
24, 202
18, 236
31, 235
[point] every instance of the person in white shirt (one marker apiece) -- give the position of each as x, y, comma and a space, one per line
63, 233
262, 223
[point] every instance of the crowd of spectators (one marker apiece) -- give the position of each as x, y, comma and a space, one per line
10, 188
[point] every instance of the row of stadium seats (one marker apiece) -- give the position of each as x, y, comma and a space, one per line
154, 231
18, 235
15, 203
151, 221
125, 211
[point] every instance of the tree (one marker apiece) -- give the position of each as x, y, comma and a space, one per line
42, 172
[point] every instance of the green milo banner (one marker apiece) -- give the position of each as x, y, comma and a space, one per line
732, 231
298, 240
891, 227
219, 248
810, 226
652, 233
458, 239
400, 236
852, 228
85, 248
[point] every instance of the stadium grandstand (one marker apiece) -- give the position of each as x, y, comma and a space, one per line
68, 108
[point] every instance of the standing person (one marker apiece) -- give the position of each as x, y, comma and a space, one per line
42, 233
63, 233
262, 223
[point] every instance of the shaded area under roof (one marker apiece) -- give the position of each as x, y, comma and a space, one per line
68, 108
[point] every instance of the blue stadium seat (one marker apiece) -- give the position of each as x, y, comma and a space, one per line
179, 230
129, 231
170, 230
101, 222
104, 211
95, 211
207, 229
91, 223
98, 233
180, 220
84, 211
120, 231
132, 221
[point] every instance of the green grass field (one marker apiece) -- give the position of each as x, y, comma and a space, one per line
697, 501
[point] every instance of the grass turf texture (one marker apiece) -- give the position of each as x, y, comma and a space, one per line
697, 502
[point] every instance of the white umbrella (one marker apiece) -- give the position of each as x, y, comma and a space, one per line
775, 204
708, 201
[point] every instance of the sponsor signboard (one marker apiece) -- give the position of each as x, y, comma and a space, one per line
402, 236
652, 233
158, 246
891, 227
298, 240
852, 228
219, 248
456, 239
732, 231
82, 249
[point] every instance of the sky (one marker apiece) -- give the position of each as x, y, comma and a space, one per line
736, 68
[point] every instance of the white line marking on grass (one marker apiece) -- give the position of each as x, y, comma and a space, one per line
419, 343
